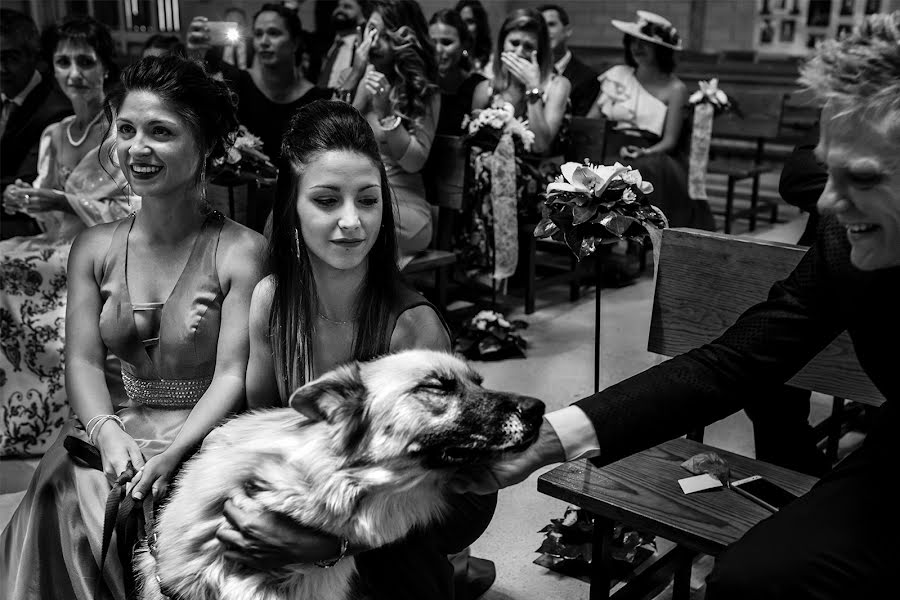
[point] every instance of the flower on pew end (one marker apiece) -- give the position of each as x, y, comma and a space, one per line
590, 205
495, 121
709, 92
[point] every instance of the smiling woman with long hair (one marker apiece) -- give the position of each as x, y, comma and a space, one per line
166, 290
393, 83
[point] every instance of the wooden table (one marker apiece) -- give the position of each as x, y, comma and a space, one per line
642, 491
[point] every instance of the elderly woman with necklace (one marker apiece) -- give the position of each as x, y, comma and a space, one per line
77, 186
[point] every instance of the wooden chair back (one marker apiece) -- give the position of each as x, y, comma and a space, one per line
706, 280
759, 118
587, 138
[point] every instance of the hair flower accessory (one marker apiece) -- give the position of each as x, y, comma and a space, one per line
709, 92
589, 205
489, 124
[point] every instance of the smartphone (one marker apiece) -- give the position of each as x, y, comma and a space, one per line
764, 492
223, 33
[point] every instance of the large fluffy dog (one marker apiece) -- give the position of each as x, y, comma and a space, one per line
365, 453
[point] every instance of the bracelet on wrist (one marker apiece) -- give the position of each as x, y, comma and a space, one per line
327, 564
534, 95
389, 123
100, 421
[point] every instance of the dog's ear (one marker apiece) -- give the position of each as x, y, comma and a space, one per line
338, 398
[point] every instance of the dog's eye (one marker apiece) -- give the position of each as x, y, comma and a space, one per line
438, 384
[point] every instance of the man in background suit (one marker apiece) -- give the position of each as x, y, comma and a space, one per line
30, 102
585, 85
346, 19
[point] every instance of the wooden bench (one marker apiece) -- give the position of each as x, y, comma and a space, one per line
704, 282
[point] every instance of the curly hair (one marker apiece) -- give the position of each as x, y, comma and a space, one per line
415, 66
861, 71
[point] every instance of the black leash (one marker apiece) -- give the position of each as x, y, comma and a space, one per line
120, 515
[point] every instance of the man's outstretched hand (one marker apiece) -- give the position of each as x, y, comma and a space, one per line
487, 479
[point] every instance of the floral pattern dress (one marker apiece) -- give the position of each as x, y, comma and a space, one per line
504, 184
33, 404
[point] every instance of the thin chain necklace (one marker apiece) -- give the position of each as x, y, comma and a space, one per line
87, 130
337, 322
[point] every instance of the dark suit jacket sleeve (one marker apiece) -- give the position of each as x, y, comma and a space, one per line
767, 345
585, 86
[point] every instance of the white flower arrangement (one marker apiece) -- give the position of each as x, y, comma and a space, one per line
500, 116
710, 92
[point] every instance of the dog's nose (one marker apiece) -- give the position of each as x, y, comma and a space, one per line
531, 408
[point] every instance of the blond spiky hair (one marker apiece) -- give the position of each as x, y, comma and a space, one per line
861, 71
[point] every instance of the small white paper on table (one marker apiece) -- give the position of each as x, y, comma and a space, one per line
698, 483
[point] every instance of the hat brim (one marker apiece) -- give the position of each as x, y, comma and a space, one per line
634, 30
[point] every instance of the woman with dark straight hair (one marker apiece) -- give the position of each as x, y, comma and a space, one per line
453, 47
334, 295
476, 19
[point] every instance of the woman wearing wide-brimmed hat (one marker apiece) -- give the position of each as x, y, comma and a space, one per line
646, 102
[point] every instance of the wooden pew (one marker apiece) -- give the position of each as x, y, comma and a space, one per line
704, 282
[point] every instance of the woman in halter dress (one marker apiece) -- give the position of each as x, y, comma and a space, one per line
646, 104
167, 290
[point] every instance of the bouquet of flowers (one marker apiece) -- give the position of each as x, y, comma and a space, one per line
590, 205
488, 125
245, 160
489, 336
709, 93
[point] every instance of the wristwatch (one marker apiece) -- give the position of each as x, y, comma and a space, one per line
534, 95
327, 564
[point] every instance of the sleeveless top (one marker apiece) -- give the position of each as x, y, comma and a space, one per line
624, 100
408, 298
188, 323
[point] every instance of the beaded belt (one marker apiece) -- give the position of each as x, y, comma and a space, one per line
165, 393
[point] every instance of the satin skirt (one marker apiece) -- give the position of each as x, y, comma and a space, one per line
51, 546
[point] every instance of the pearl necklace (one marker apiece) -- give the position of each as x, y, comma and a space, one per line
87, 130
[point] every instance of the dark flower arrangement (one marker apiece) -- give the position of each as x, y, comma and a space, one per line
590, 205
244, 162
489, 336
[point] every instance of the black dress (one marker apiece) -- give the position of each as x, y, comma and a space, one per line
269, 120
457, 105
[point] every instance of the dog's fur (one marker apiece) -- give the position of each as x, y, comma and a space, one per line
364, 453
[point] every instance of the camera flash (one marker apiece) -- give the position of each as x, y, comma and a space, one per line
232, 35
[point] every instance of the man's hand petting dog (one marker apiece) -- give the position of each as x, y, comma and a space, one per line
487, 479
264, 540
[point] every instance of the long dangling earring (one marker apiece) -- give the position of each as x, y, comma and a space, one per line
203, 182
297, 242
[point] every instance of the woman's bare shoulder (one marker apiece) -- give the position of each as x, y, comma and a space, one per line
420, 327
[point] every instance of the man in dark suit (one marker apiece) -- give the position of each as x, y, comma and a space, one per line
585, 85
30, 101
830, 543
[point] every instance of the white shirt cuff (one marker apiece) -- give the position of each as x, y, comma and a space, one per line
575, 432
